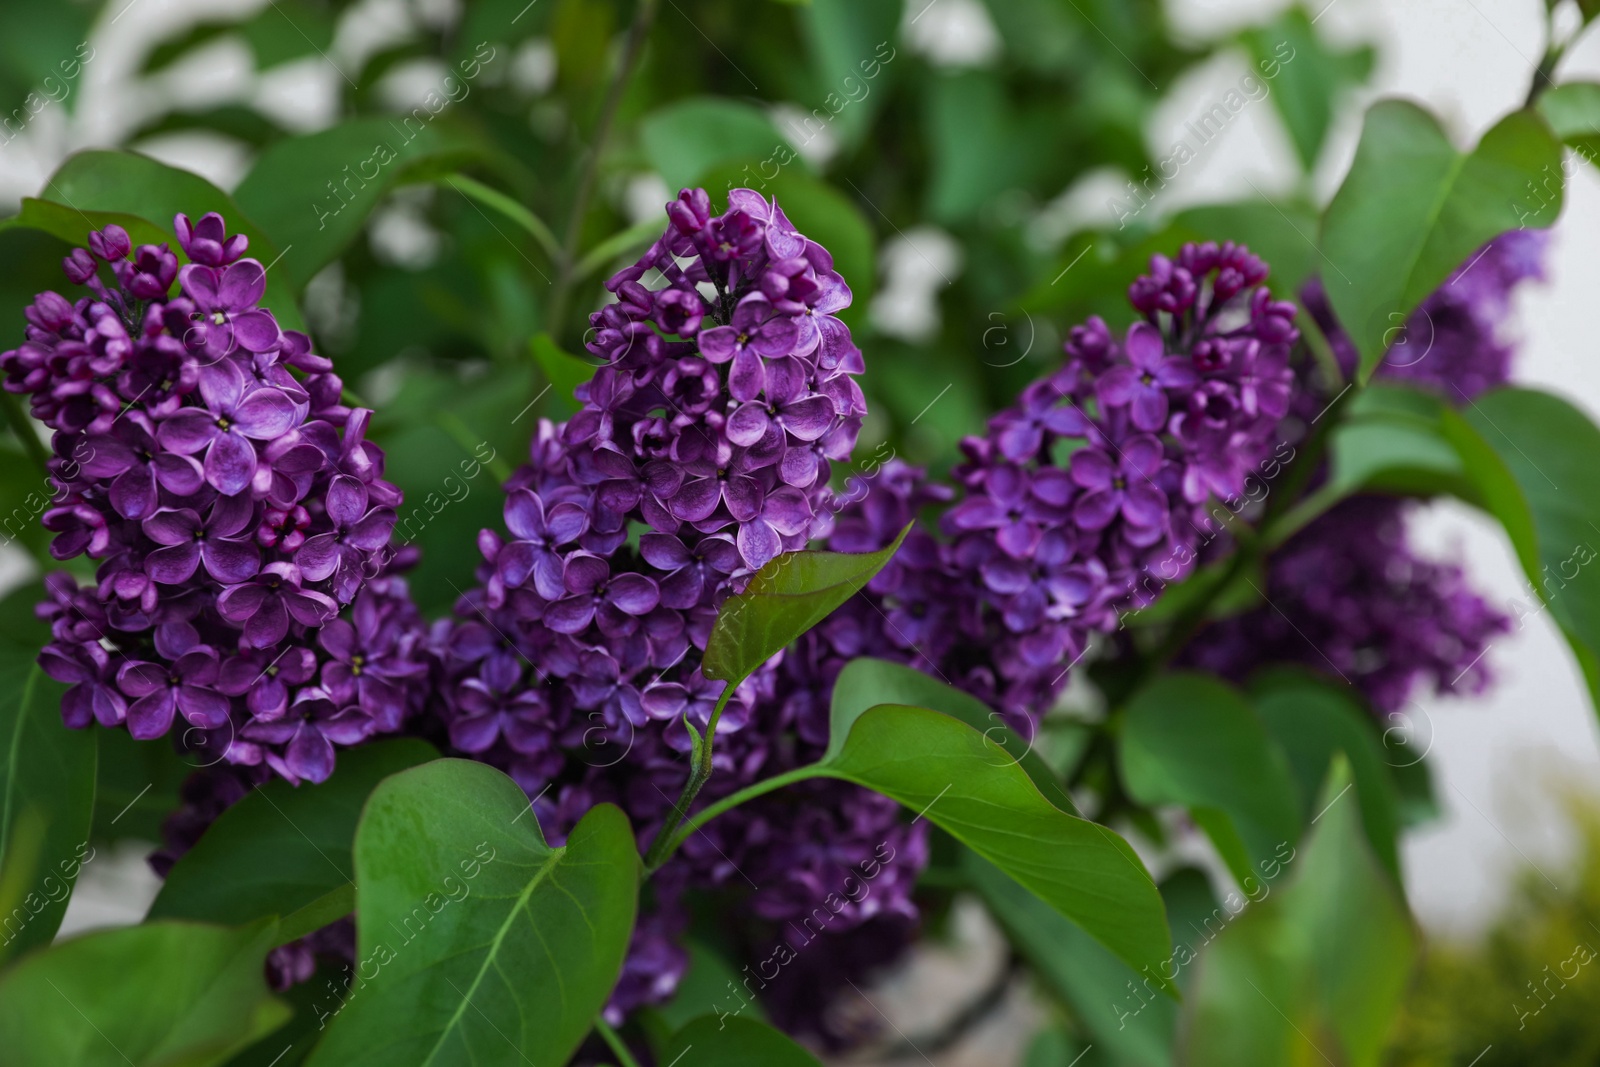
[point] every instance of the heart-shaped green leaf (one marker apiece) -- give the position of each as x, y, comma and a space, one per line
46, 803
126, 182
478, 943
285, 850
787, 597
159, 995
1413, 209
1573, 112
313, 193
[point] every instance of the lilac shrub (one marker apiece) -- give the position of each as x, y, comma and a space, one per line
205, 460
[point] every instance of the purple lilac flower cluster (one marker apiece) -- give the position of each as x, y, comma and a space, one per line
1348, 592
205, 459
1349, 595
726, 392
1090, 495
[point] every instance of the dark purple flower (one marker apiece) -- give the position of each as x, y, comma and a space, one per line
264, 605
190, 542
184, 685
1142, 382
233, 414
1122, 484
308, 732
593, 594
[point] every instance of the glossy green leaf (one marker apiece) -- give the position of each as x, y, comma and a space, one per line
313, 193
478, 943
1128, 1020
1532, 457
1305, 76
1312, 721
966, 784
686, 138
136, 785
734, 1042
160, 995
74, 226
1192, 740
1573, 112
1316, 972
1413, 209
132, 184
46, 803
285, 850
787, 597
865, 683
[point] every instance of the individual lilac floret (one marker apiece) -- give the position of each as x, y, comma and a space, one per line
203, 458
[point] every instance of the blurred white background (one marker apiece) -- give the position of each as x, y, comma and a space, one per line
1496, 759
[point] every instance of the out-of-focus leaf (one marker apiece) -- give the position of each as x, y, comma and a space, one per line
284, 30
1531, 456
487, 946
1573, 112
313, 193
1306, 76
735, 1043
43, 51
687, 138
854, 58
1313, 721
449, 442
1192, 740
1413, 209
137, 786
46, 802
563, 372
1103, 991
1314, 973
285, 850
232, 120
711, 986
788, 596
982, 146
132, 184
155, 995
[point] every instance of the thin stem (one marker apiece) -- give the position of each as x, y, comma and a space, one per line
22, 426
643, 16
612, 1038
733, 800
699, 775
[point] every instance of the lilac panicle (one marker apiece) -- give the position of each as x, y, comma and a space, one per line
203, 459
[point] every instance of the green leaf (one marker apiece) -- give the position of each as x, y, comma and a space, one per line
1305, 77
159, 995
1413, 209
710, 985
734, 1042
137, 785
73, 226
1315, 972
1125, 1018
865, 683
313, 193
285, 850
686, 138
851, 44
562, 371
1313, 721
478, 943
1573, 112
132, 184
46, 803
966, 784
787, 597
44, 51
282, 31
1192, 740
1532, 457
